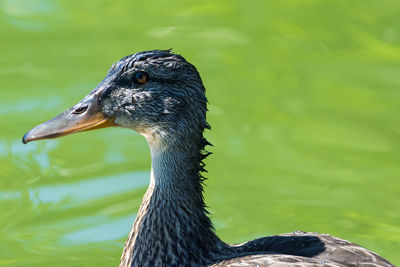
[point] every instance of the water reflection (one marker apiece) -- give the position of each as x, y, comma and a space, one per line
20, 153
97, 232
26, 14
90, 189
216, 35
29, 105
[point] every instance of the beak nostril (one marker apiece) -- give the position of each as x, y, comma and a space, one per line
80, 110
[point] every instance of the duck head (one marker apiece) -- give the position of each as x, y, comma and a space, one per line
157, 93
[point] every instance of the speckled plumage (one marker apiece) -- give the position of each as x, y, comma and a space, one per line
168, 106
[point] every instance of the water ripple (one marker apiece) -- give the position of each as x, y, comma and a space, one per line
89, 190
111, 230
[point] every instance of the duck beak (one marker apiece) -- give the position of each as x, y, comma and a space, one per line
84, 116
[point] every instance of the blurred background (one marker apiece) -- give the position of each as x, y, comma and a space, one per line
304, 108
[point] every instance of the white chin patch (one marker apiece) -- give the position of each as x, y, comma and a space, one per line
153, 134
124, 122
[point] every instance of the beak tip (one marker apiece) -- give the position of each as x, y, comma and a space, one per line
25, 138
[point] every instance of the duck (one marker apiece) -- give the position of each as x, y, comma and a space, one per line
161, 96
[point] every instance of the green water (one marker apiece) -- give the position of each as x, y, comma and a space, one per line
304, 104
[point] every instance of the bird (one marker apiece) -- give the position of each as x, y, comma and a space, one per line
160, 95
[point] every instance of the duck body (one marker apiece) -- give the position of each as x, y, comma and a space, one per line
160, 95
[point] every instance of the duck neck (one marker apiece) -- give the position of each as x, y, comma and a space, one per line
172, 226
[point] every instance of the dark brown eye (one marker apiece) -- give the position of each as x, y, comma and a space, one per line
141, 77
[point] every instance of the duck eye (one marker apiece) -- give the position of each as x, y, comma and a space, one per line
141, 77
